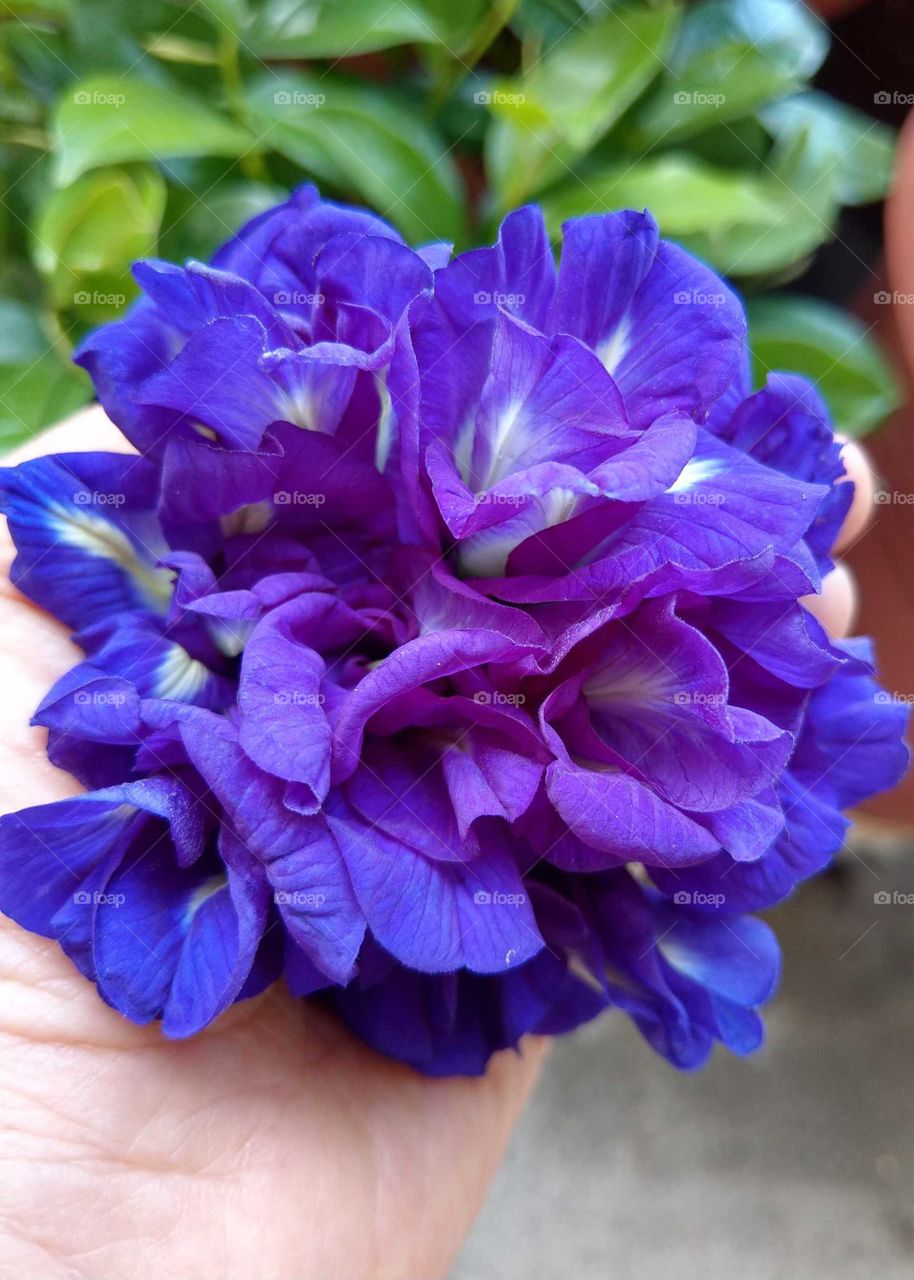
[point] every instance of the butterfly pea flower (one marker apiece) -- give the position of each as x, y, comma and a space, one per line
293, 320
444, 653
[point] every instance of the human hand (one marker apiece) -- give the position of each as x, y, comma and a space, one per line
273, 1146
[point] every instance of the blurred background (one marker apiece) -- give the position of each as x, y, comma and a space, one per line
763, 134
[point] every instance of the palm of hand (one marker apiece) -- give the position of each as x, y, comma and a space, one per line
272, 1146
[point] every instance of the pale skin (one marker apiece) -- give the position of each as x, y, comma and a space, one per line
272, 1147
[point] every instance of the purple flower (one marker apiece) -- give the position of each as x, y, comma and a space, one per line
444, 652
294, 320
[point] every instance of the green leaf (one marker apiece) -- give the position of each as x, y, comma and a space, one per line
344, 28
743, 223
744, 144
233, 16
860, 150
555, 113
196, 229
41, 9
833, 349
806, 191
685, 197
37, 393
458, 24
109, 119
171, 48
22, 339
87, 236
731, 57
364, 142
550, 20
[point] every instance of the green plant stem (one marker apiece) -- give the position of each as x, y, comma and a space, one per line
252, 163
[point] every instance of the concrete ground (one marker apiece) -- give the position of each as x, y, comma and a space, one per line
795, 1164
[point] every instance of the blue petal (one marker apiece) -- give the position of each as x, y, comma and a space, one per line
86, 518
301, 860
439, 916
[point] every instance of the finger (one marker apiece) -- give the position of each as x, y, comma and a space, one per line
859, 471
836, 607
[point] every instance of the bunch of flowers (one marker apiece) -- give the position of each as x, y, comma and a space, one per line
444, 653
